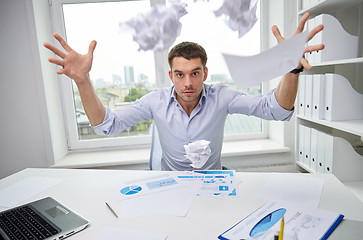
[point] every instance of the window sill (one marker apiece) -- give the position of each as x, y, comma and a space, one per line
141, 156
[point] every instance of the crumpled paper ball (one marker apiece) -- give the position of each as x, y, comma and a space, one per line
198, 152
158, 28
240, 14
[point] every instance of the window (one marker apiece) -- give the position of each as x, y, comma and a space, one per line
121, 74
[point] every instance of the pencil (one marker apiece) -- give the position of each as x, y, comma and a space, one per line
111, 209
281, 233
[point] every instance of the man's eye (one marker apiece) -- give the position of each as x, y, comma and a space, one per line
179, 75
195, 73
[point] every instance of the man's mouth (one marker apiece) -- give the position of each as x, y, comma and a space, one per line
189, 92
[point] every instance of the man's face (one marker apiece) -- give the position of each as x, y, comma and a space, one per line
188, 77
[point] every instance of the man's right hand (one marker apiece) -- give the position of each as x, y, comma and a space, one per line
74, 65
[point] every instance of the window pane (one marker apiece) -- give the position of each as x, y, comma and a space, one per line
202, 26
120, 73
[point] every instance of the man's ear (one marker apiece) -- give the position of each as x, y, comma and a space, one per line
171, 76
205, 73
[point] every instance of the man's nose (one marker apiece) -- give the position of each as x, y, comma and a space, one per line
188, 81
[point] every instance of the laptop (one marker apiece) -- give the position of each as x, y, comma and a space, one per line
42, 219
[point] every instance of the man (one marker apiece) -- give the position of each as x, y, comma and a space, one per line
188, 111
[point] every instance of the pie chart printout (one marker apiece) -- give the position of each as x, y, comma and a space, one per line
131, 190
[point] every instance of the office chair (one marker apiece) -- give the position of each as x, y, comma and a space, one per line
155, 151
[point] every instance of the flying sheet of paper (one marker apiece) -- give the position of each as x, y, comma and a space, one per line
240, 14
252, 70
158, 28
19, 192
119, 234
294, 189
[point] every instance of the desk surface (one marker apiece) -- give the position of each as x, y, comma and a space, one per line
85, 191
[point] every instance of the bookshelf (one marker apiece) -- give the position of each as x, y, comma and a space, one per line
348, 133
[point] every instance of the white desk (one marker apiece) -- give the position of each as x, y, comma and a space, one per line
85, 191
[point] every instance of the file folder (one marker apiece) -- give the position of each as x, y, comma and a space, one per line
342, 102
301, 93
320, 152
318, 96
301, 143
341, 159
307, 146
310, 24
308, 95
313, 150
334, 37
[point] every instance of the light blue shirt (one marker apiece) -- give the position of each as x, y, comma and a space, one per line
206, 121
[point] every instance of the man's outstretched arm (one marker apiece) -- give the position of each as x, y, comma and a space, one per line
77, 67
286, 90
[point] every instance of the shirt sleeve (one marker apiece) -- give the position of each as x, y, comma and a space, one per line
264, 106
118, 120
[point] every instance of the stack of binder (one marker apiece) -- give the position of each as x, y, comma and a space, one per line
324, 153
333, 37
329, 96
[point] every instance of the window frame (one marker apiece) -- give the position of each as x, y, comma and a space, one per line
162, 80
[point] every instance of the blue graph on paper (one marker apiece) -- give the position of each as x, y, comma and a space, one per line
131, 190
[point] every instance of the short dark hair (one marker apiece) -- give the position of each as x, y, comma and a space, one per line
188, 50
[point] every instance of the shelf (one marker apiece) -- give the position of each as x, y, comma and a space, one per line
356, 188
349, 126
339, 62
307, 169
328, 5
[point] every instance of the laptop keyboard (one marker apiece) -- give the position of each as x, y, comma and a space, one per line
24, 223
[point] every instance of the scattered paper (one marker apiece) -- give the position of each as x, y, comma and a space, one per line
158, 28
215, 183
141, 187
252, 70
19, 192
240, 14
120, 234
198, 152
174, 202
300, 223
294, 189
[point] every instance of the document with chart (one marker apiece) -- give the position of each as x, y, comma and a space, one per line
299, 223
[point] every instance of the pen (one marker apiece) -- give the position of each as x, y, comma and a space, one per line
281, 233
111, 209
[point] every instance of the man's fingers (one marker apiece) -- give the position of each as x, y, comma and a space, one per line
55, 50
305, 64
92, 47
277, 34
315, 30
302, 22
62, 42
56, 61
313, 48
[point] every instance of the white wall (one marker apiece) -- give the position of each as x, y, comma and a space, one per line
24, 127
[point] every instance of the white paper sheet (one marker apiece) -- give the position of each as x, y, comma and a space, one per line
174, 202
300, 223
248, 71
122, 234
19, 192
294, 189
